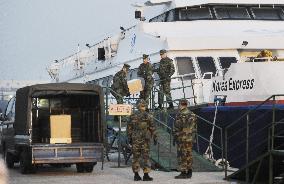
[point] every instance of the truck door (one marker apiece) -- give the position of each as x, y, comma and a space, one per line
8, 130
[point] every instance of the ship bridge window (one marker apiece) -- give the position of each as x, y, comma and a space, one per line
231, 13
267, 13
185, 66
195, 14
227, 61
159, 18
207, 66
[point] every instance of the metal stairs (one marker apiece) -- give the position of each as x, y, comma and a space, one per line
164, 154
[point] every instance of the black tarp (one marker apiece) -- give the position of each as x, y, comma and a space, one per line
24, 100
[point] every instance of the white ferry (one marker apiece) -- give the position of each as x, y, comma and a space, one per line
216, 46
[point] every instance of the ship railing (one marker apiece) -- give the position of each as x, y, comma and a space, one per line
257, 138
167, 118
263, 59
168, 122
183, 87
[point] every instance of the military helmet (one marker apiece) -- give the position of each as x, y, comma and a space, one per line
163, 51
141, 102
145, 56
183, 102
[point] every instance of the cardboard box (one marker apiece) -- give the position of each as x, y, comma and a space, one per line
60, 129
135, 86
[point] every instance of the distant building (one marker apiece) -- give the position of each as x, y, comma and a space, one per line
8, 88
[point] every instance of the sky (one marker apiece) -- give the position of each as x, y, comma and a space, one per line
33, 33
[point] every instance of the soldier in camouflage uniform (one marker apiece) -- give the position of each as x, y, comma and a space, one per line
145, 71
165, 71
120, 84
184, 131
140, 130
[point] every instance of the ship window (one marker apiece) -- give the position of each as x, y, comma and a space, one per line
206, 64
101, 54
171, 16
132, 74
195, 14
105, 81
185, 66
231, 13
110, 78
267, 13
227, 61
159, 18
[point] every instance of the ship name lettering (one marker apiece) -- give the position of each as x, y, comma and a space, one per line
233, 85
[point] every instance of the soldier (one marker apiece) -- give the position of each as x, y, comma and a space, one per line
119, 85
265, 53
140, 130
145, 71
165, 71
184, 130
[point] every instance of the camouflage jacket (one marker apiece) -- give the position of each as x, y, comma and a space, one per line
166, 68
120, 82
185, 125
145, 71
141, 127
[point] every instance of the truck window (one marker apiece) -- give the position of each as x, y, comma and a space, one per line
185, 66
227, 61
206, 64
55, 103
43, 103
10, 110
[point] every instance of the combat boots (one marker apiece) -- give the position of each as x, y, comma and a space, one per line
137, 177
189, 173
182, 175
146, 177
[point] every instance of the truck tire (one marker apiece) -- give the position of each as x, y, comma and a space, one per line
25, 163
9, 159
89, 167
80, 168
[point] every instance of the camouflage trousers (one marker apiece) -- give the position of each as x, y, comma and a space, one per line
165, 89
145, 94
118, 96
184, 156
141, 151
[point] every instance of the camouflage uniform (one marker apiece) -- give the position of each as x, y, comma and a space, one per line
120, 86
140, 129
265, 53
184, 128
145, 71
165, 71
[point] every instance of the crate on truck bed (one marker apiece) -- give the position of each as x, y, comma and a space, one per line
60, 123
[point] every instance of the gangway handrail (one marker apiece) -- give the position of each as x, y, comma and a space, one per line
251, 110
271, 134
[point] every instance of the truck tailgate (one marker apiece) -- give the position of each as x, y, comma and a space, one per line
67, 153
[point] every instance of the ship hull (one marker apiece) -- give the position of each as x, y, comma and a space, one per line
259, 123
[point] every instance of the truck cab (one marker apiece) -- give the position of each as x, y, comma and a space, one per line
54, 124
